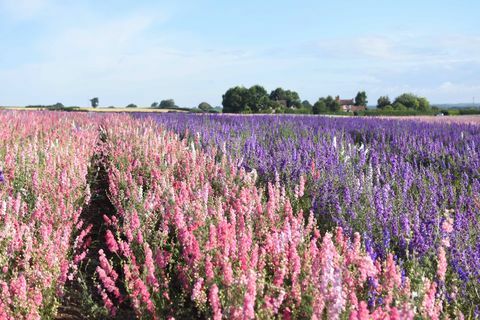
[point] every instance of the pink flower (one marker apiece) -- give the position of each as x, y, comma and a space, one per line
442, 264
150, 266
431, 308
249, 299
18, 287
111, 242
209, 268
301, 190
197, 292
361, 313
447, 225
215, 302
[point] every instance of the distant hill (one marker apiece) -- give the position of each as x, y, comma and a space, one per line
456, 105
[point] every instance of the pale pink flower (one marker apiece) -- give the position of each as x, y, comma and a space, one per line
441, 264
447, 225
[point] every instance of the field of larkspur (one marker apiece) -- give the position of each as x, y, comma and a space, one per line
184, 216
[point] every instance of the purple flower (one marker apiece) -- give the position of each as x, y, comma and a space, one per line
2, 177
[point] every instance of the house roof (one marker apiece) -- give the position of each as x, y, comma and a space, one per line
346, 101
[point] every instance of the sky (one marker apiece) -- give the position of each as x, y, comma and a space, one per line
192, 50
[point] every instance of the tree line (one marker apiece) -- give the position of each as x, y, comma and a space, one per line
256, 99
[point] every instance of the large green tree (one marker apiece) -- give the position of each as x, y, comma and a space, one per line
361, 99
257, 98
423, 104
234, 100
411, 101
332, 104
167, 104
319, 107
252, 100
383, 101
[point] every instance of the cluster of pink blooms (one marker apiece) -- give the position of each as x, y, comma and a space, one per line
44, 159
194, 231
192, 235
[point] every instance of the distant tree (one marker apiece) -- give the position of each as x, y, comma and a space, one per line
154, 105
56, 106
319, 107
361, 99
242, 100
94, 102
234, 100
383, 101
332, 104
409, 100
167, 104
396, 106
307, 106
290, 97
205, 107
131, 105
257, 98
423, 104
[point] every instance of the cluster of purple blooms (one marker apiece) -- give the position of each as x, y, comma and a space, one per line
2, 177
394, 181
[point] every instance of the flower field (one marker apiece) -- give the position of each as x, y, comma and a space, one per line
44, 160
239, 217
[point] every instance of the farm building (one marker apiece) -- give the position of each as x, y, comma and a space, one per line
348, 105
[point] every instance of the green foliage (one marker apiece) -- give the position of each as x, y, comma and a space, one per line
154, 105
94, 102
383, 101
257, 99
307, 105
234, 100
131, 105
411, 101
319, 107
243, 100
399, 106
167, 104
361, 99
424, 105
332, 104
291, 98
205, 107
55, 107
326, 105
391, 111
469, 111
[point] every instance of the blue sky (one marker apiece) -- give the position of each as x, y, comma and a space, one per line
193, 51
